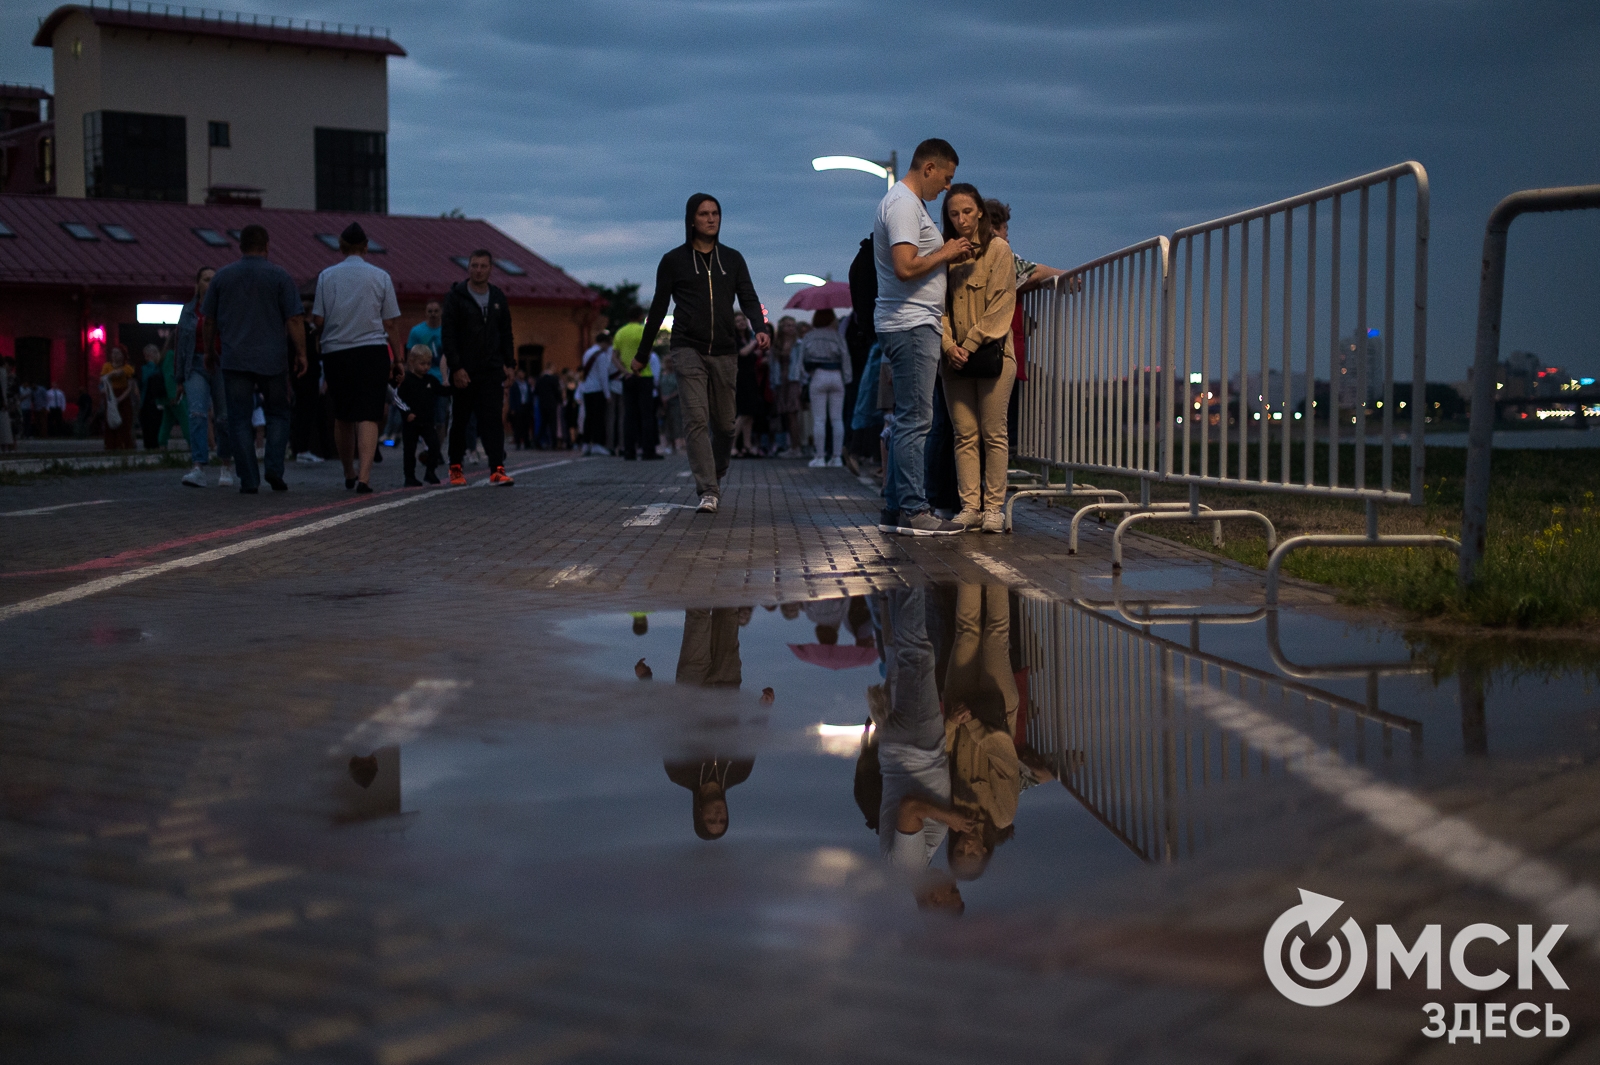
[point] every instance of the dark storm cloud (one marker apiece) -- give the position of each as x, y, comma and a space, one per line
582, 126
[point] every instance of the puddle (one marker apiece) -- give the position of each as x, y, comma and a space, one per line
747, 778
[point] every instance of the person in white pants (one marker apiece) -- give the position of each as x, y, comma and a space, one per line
827, 362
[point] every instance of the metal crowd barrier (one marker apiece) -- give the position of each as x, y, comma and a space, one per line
1119, 714
1200, 387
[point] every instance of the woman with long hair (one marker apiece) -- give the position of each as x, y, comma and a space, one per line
980, 363
199, 377
788, 379
119, 383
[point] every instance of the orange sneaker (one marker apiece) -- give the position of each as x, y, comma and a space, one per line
456, 476
500, 479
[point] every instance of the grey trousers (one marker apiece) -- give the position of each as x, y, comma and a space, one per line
706, 388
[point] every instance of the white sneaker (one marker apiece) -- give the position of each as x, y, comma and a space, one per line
818, 463
836, 462
225, 478
195, 478
708, 505
307, 458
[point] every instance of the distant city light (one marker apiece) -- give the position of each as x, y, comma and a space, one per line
804, 279
1196, 378
1372, 333
1297, 415
158, 313
1585, 381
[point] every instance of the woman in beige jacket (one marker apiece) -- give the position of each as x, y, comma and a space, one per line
982, 293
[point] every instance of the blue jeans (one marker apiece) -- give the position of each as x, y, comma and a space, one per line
914, 717
206, 395
913, 356
241, 389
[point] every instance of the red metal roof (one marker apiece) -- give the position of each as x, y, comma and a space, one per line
166, 251
342, 37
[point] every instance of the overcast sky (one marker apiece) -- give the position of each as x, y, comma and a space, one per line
581, 127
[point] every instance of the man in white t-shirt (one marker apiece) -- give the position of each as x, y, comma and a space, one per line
911, 255
915, 815
595, 390
358, 320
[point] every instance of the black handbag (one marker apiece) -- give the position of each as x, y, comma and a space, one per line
986, 362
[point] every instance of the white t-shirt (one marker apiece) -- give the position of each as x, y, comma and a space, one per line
904, 219
354, 299
909, 770
599, 375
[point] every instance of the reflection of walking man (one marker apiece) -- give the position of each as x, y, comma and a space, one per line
701, 277
709, 657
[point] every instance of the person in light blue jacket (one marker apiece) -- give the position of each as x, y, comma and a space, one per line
199, 377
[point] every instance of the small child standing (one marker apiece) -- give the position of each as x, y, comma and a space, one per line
416, 395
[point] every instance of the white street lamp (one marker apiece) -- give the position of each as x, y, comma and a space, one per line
804, 279
888, 170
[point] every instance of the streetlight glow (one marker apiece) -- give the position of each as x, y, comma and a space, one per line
804, 279
850, 162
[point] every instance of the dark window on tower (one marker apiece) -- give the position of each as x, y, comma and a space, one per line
352, 171
218, 133
130, 156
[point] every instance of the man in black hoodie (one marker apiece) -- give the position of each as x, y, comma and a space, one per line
475, 342
701, 277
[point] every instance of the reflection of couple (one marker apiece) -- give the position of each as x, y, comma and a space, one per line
950, 767
709, 657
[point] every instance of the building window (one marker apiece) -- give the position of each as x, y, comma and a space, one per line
329, 239
218, 134
120, 234
510, 267
7, 231
131, 156
352, 171
45, 161
212, 237
79, 231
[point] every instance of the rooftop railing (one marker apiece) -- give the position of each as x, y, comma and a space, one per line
240, 18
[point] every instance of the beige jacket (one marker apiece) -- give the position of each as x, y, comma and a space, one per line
983, 295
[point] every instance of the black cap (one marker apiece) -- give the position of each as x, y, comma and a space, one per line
353, 234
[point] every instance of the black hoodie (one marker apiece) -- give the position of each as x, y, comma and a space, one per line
702, 287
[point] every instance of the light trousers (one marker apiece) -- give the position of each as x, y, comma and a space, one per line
827, 405
978, 415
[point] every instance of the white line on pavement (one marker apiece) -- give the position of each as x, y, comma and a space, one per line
404, 718
106, 584
49, 510
653, 513
1453, 842
576, 574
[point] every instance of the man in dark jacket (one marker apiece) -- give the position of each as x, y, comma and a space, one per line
475, 341
701, 277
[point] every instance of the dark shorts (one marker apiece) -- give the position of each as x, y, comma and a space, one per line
358, 380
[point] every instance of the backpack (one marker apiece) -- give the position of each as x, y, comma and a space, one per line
863, 297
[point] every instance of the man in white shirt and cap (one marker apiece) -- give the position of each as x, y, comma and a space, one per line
358, 317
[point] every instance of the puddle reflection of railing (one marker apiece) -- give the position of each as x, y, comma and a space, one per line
1110, 707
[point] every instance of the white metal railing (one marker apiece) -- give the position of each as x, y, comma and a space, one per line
1119, 713
1217, 384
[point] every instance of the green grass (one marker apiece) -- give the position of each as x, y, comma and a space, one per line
1541, 568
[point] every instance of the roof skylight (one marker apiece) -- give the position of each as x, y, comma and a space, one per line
120, 234
79, 231
510, 267
212, 237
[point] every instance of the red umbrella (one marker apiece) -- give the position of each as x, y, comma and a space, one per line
835, 655
834, 294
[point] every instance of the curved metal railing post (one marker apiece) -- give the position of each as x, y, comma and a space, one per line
1486, 354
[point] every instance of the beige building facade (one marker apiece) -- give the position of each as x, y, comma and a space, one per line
203, 109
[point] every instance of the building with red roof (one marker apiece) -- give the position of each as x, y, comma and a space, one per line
73, 273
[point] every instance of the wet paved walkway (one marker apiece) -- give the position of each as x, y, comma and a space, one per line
309, 778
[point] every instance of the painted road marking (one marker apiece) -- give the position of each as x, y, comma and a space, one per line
51, 510
653, 513
106, 584
573, 574
403, 718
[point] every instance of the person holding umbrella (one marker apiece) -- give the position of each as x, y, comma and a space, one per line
702, 277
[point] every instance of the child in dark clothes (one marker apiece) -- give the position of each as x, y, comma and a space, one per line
416, 394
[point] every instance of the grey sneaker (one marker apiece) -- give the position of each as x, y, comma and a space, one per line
994, 520
195, 478
925, 524
889, 521
708, 505
969, 519
225, 479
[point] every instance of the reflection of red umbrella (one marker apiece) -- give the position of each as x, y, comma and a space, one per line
834, 294
835, 655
